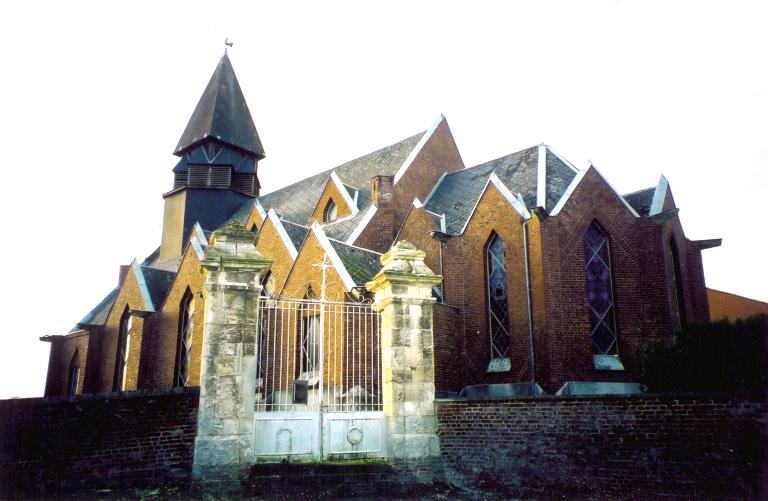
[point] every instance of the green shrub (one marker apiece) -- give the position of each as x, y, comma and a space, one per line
714, 357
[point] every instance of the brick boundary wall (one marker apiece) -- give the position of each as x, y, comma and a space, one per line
49, 445
608, 447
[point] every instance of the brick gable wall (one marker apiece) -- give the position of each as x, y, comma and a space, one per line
62, 351
438, 156
100, 368
271, 245
162, 329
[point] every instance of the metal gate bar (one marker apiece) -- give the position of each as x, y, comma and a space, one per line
318, 355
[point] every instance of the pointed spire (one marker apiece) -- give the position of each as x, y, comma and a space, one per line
222, 114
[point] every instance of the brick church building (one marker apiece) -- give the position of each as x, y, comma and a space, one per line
549, 274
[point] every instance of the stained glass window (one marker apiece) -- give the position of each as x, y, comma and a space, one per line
496, 290
600, 291
74, 373
123, 345
184, 345
309, 344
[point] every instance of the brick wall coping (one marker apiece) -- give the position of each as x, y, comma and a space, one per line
103, 396
756, 398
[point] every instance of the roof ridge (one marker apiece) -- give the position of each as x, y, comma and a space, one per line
495, 159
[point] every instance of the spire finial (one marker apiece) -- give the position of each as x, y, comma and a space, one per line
227, 44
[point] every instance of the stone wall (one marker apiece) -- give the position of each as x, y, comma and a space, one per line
48, 446
608, 447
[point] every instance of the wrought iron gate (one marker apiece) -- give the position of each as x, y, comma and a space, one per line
318, 386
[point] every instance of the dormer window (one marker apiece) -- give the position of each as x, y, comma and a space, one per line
329, 214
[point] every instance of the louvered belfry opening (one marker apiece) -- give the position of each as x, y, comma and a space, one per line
209, 176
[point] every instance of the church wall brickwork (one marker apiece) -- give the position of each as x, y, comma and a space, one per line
450, 349
465, 287
608, 447
52, 446
438, 156
330, 193
271, 245
640, 271
161, 339
103, 374
303, 274
60, 359
645, 302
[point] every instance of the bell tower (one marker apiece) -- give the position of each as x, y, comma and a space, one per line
217, 172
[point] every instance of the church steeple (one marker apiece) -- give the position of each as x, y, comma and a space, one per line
217, 172
222, 114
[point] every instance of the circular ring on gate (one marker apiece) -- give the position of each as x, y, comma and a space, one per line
355, 436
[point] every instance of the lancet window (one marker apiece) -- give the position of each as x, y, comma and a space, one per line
602, 314
497, 297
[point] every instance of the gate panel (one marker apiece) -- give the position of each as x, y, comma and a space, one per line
318, 388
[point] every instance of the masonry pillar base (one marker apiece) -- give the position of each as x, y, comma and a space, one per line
224, 441
403, 294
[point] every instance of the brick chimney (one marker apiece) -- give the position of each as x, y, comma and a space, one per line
381, 190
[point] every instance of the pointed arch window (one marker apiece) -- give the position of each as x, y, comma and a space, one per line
497, 297
123, 346
73, 374
602, 314
330, 212
308, 339
184, 340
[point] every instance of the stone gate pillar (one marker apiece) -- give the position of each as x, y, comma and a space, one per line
403, 295
224, 442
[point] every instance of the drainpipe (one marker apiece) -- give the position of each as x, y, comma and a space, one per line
441, 238
530, 307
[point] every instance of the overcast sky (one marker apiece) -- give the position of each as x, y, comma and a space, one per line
94, 97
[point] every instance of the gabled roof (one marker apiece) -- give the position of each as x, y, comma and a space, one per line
98, 315
158, 284
296, 232
222, 114
457, 193
361, 264
296, 202
641, 200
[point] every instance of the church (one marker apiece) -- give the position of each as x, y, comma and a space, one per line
550, 277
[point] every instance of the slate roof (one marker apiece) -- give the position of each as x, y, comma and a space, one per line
361, 264
341, 229
296, 232
158, 282
457, 192
297, 201
640, 199
98, 315
223, 114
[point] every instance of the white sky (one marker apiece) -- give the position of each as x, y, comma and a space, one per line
94, 96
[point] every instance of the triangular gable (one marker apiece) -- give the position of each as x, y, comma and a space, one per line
419, 146
256, 216
143, 287
338, 192
273, 218
575, 183
338, 264
516, 201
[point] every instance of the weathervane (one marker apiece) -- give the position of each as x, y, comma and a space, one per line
227, 44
